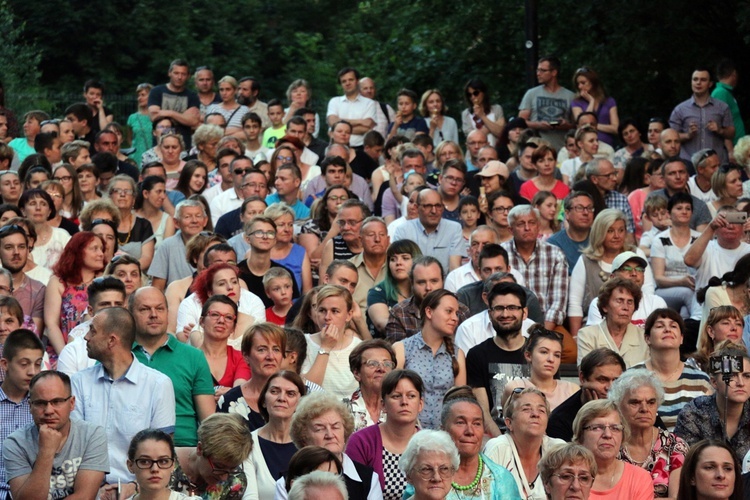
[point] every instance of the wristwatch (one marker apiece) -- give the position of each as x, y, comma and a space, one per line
323, 352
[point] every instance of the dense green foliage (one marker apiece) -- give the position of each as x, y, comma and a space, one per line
644, 50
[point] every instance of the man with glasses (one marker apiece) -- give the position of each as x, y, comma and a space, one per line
435, 235
169, 262
14, 255
21, 360
231, 199
706, 162
702, 121
546, 108
602, 175
451, 181
574, 236
501, 354
347, 243
675, 174
55, 457
107, 393
254, 184
260, 234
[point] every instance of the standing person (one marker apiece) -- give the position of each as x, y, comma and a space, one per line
592, 98
432, 351
481, 115
173, 100
727, 76
433, 108
229, 108
21, 361
55, 457
702, 121
204, 84
184, 365
546, 108
353, 107
140, 124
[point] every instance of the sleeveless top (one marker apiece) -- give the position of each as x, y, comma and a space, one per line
75, 300
341, 249
159, 234
141, 233
293, 261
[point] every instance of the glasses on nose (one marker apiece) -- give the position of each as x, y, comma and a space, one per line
453, 180
64, 178
600, 428
502, 210
430, 207
567, 479
254, 185
427, 472
224, 472
582, 210
350, 223
501, 309
122, 192
240, 171
215, 316
41, 404
147, 463
611, 175
263, 234
375, 364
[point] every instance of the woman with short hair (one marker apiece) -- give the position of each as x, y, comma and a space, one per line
568, 471
370, 362
229, 108
429, 464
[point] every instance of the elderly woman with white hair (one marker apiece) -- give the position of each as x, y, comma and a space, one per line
638, 393
600, 428
299, 95
568, 472
318, 484
429, 463
526, 413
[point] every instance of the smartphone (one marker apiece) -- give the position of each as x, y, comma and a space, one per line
555, 123
736, 217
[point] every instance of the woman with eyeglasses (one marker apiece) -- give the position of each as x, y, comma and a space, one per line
638, 394
429, 465
148, 205
219, 279
543, 352
519, 450
286, 252
481, 115
140, 124
726, 183
56, 191
214, 469
600, 428
152, 457
395, 287
725, 415
592, 98
228, 368
273, 447
587, 141
370, 362
432, 352
321, 227
568, 472
135, 235
72, 200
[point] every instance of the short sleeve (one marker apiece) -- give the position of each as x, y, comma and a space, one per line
376, 295
203, 383
96, 456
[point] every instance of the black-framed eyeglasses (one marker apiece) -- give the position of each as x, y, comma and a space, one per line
147, 463
511, 308
225, 472
568, 478
40, 404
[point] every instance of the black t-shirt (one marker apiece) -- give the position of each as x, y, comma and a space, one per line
94, 124
363, 164
69, 226
560, 424
255, 283
229, 224
485, 361
175, 101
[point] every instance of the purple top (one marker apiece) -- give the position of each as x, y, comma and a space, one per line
366, 447
602, 114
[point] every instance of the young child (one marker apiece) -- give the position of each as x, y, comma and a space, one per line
468, 210
277, 129
656, 215
548, 207
407, 122
252, 126
277, 283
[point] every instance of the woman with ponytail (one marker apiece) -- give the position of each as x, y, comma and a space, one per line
432, 353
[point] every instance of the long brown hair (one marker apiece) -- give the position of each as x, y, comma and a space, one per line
431, 301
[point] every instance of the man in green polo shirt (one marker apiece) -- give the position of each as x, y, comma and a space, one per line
184, 365
726, 73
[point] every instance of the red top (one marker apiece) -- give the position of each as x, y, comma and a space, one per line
236, 368
274, 318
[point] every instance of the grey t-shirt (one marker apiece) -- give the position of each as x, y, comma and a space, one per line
548, 107
169, 260
85, 449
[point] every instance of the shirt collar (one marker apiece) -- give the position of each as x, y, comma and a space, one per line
131, 375
4, 397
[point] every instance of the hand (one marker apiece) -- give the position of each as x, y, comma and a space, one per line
719, 221
587, 96
49, 439
483, 207
315, 263
713, 127
545, 126
398, 120
99, 103
689, 282
329, 337
589, 394
109, 491
356, 312
479, 111
184, 335
692, 129
436, 121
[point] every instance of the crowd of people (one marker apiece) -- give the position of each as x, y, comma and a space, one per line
212, 300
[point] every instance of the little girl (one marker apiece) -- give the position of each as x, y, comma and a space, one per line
549, 223
468, 209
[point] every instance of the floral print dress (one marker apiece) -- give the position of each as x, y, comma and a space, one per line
667, 455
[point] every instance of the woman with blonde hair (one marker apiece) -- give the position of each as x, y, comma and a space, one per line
726, 184
299, 95
723, 323
568, 468
607, 240
442, 127
171, 146
229, 108
206, 141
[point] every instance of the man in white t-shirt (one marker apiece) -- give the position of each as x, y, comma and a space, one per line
352, 107
706, 161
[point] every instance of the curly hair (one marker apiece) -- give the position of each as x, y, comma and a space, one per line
313, 406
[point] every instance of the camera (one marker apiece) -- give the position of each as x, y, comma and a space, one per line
726, 365
736, 217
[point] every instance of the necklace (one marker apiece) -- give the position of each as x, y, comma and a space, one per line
127, 238
648, 452
475, 482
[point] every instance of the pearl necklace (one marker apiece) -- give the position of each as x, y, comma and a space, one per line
475, 482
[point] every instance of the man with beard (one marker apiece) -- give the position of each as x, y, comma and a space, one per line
490, 363
247, 95
14, 253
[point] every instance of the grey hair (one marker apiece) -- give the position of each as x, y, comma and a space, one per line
122, 178
494, 279
632, 380
8, 275
331, 146
316, 478
372, 218
447, 409
188, 203
411, 152
428, 441
593, 167
481, 229
520, 211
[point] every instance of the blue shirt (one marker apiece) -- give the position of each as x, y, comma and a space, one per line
445, 241
300, 210
142, 398
571, 249
436, 372
13, 416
